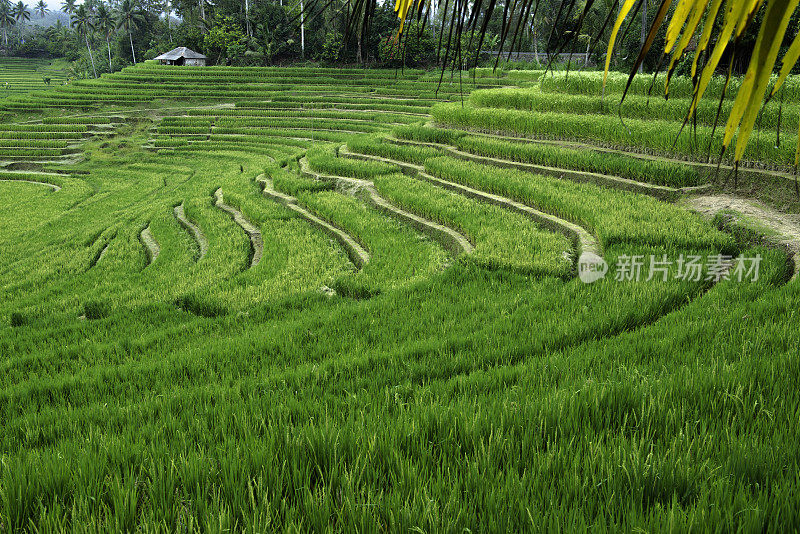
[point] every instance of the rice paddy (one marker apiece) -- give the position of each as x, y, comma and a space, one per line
294, 299
21, 75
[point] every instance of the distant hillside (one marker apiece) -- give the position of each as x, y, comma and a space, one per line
49, 19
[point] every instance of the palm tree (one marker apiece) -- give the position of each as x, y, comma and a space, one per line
6, 19
82, 21
129, 19
21, 13
41, 9
68, 7
105, 23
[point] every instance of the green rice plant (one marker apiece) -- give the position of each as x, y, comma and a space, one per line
44, 128
397, 255
371, 116
309, 123
91, 120
412, 101
31, 143
661, 137
209, 395
615, 216
183, 130
293, 184
501, 238
288, 133
667, 173
591, 83
427, 134
56, 180
40, 135
325, 161
169, 142
187, 121
19, 152
378, 146
635, 106
406, 109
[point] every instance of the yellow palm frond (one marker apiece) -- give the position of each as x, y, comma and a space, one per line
737, 16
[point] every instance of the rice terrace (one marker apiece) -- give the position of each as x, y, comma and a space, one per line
400, 290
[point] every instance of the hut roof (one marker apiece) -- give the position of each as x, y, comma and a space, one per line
180, 52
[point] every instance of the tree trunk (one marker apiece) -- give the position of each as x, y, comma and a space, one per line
91, 57
247, 17
644, 30
130, 36
302, 31
108, 44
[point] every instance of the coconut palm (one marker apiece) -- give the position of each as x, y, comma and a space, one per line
41, 9
81, 20
68, 7
129, 19
92, 5
104, 20
21, 13
6, 19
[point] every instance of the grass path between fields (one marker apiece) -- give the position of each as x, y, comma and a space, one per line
777, 228
581, 238
452, 240
357, 254
151, 245
197, 234
256, 241
710, 167
661, 192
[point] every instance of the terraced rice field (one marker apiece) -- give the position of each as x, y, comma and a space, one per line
20, 75
256, 299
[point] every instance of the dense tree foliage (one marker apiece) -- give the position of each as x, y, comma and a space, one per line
114, 33
264, 32
230, 32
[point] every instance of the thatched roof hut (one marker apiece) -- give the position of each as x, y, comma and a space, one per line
182, 56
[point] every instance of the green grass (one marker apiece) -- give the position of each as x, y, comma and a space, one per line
377, 146
656, 172
616, 216
656, 136
635, 106
325, 161
492, 391
501, 238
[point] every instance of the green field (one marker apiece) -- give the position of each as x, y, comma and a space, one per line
20, 75
296, 299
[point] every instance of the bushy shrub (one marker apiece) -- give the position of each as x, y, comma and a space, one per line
331, 48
